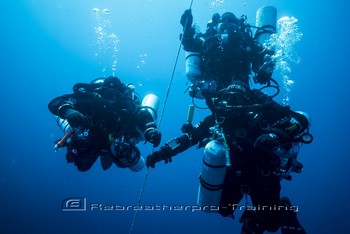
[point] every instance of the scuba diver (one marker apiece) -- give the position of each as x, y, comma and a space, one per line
106, 119
250, 144
226, 52
250, 141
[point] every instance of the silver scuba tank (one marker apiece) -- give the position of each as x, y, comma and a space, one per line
212, 176
151, 103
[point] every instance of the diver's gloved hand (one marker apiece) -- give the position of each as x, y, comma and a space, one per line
187, 128
262, 77
157, 156
75, 118
264, 74
186, 21
153, 158
297, 167
152, 134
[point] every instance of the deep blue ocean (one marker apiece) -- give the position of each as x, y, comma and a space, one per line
46, 46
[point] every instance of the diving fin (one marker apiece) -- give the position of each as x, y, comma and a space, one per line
106, 161
290, 224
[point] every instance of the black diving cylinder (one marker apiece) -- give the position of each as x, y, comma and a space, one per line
212, 176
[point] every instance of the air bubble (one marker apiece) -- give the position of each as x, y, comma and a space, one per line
216, 3
95, 10
288, 34
105, 11
106, 41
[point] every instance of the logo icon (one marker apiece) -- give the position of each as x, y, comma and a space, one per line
74, 204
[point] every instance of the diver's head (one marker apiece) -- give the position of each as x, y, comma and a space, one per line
98, 82
112, 83
236, 93
212, 25
301, 127
227, 23
112, 88
238, 87
215, 18
304, 119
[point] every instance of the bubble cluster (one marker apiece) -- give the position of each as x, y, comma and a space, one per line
105, 11
106, 41
283, 42
216, 3
143, 58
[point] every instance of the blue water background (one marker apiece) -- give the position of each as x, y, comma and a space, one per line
46, 46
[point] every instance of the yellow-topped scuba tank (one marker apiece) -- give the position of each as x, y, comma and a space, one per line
190, 113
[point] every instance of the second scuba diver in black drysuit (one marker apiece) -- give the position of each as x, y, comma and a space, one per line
108, 121
260, 134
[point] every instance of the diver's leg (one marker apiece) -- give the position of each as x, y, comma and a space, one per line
290, 222
231, 195
265, 195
